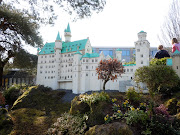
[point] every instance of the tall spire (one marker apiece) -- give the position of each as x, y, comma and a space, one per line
68, 29
58, 36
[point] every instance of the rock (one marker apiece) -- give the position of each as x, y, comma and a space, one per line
116, 128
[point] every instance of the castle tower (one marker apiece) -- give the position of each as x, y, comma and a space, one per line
38, 51
142, 50
119, 54
67, 34
57, 60
176, 62
76, 72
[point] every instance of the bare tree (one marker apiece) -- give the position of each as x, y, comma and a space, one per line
171, 26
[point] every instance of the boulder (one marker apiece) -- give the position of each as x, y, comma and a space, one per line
116, 128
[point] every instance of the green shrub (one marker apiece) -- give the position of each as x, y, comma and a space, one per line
160, 125
6, 123
158, 61
137, 118
172, 106
11, 94
68, 124
133, 96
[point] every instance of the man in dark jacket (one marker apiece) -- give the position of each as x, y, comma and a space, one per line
161, 53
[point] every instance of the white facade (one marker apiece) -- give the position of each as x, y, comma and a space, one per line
63, 68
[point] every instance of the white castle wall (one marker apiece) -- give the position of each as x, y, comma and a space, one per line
70, 71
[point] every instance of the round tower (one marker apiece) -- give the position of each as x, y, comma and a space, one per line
142, 50
67, 34
119, 54
176, 62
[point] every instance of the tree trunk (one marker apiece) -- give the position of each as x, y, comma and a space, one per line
1, 76
104, 85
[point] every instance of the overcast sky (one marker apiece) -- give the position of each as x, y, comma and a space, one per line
117, 25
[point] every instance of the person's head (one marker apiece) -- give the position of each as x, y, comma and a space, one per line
160, 47
174, 40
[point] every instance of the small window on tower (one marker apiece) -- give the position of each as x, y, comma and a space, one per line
141, 55
138, 50
177, 67
141, 62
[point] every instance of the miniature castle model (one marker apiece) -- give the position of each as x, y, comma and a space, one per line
72, 65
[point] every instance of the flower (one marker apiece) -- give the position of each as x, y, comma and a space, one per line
111, 118
105, 118
119, 111
137, 109
132, 108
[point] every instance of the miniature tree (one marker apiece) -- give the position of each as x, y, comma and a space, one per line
109, 70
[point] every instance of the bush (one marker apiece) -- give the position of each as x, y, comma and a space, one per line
161, 110
133, 96
11, 94
137, 118
161, 61
172, 106
2, 99
6, 123
160, 125
68, 124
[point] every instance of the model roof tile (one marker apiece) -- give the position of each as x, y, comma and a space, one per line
66, 47
90, 55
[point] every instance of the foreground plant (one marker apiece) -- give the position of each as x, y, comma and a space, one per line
68, 124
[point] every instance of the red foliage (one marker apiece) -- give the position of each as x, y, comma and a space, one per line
109, 69
161, 110
2, 99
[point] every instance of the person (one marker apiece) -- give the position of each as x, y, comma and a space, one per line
161, 53
175, 45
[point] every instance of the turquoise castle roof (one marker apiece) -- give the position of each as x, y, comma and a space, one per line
58, 37
176, 52
130, 65
48, 48
169, 62
68, 29
66, 47
142, 31
78, 52
90, 55
118, 49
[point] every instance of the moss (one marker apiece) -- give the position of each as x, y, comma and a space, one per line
171, 104
115, 128
6, 123
98, 114
78, 107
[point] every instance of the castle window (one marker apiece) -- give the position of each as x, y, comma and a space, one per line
96, 60
83, 60
138, 50
131, 70
41, 56
141, 62
124, 70
177, 67
86, 67
92, 67
45, 56
48, 77
51, 71
40, 72
49, 56
127, 70
45, 71
45, 77
48, 71
41, 61
92, 74
45, 61
86, 60
92, 60
86, 74
41, 66
52, 55
71, 76
141, 55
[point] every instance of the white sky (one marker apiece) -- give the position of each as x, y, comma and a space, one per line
117, 25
